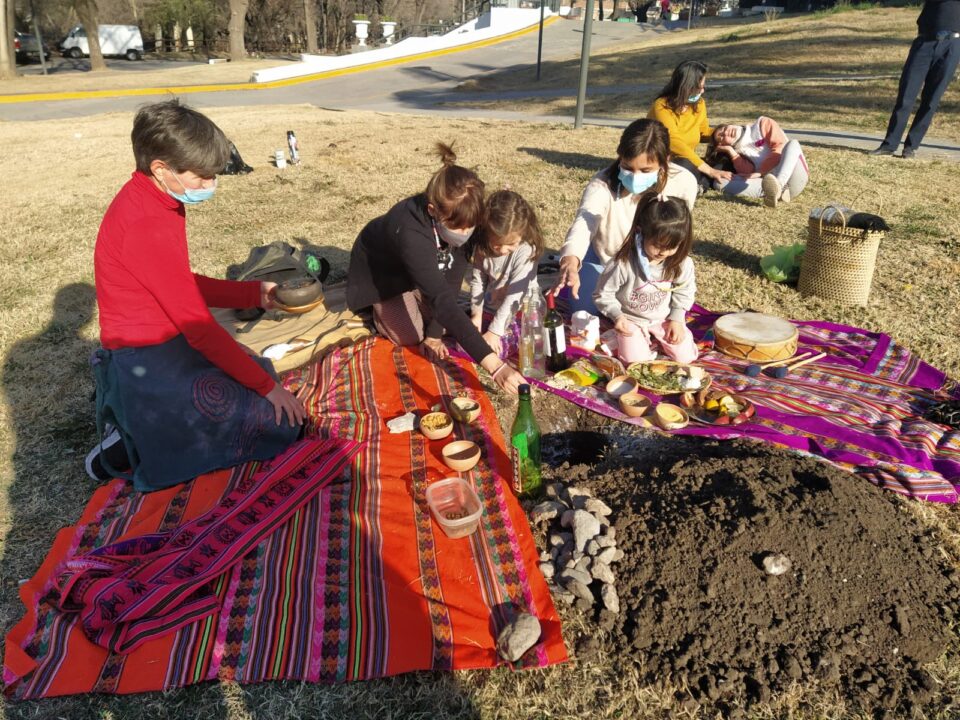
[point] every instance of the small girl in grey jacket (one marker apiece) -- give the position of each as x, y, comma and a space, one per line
649, 285
505, 257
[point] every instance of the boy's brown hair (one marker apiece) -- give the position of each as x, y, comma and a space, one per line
455, 191
179, 136
507, 213
667, 224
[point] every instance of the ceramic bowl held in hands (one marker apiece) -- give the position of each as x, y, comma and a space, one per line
298, 292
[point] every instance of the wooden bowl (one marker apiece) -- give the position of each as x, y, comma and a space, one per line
621, 385
634, 404
436, 425
464, 410
670, 417
298, 292
461, 455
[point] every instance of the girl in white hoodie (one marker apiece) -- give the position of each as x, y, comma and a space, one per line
649, 285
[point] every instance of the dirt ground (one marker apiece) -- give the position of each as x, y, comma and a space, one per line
870, 598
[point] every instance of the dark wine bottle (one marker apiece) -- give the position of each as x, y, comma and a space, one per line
554, 338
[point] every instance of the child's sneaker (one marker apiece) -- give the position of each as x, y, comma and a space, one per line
771, 190
113, 451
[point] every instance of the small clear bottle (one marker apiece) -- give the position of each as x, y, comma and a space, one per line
532, 363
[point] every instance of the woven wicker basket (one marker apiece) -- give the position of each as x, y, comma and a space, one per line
839, 261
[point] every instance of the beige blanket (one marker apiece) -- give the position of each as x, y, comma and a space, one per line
322, 329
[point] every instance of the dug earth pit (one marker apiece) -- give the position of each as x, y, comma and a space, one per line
746, 570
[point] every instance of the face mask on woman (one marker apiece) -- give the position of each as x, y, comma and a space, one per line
637, 182
694, 99
454, 238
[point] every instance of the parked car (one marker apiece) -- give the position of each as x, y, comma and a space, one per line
119, 40
27, 48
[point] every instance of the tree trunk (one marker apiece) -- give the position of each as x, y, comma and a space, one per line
310, 20
89, 17
10, 18
8, 69
236, 28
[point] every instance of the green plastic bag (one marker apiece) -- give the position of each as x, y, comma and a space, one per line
784, 264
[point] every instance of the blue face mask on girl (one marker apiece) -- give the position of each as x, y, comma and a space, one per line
637, 182
694, 99
190, 196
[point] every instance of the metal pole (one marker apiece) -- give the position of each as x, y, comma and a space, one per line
540, 41
584, 62
690, 13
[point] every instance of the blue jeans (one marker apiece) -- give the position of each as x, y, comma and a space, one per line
590, 269
930, 64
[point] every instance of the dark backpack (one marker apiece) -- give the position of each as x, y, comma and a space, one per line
235, 165
280, 261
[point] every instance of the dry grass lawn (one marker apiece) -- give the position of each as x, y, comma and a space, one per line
355, 166
870, 43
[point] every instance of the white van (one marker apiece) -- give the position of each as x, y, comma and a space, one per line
120, 40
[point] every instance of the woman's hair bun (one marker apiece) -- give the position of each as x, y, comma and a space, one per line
447, 156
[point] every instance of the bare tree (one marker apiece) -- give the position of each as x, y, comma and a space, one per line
310, 20
238, 18
8, 68
10, 18
89, 17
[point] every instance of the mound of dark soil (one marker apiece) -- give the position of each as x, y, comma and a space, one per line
868, 600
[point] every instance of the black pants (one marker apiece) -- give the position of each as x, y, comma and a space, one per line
704, 181
930, 64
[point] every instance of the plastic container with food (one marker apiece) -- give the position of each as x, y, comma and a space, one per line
455, 506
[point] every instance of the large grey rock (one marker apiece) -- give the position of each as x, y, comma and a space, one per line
547, 569
579, 589
603, 573
611, 601
519, 636
585, 528
547, 510
607, 555
597, 507
576, 574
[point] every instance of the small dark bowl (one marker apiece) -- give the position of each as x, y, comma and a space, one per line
298, 291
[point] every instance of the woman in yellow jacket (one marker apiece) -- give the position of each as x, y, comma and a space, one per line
682, 109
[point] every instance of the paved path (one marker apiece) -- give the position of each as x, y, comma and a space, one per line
429, 87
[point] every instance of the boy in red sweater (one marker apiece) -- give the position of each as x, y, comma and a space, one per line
182, 395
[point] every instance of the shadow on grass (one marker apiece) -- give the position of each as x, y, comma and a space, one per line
726, 255
570, 160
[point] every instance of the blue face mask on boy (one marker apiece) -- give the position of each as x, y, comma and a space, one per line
637, 182
190, 196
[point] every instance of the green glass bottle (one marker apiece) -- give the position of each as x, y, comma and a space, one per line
525, 449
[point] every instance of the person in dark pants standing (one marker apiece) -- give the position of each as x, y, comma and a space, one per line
932, 61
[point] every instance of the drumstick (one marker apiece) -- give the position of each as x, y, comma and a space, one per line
781, 372
753, 369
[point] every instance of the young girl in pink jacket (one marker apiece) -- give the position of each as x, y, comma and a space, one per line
765, 161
